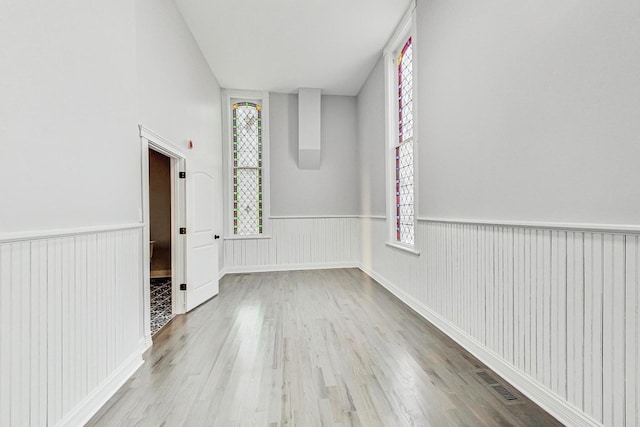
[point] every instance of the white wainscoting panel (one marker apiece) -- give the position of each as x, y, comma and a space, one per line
297, 243
70, 324
555, 312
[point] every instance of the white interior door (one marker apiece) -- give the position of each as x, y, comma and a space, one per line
202, 247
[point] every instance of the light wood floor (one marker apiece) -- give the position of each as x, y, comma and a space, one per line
314, 348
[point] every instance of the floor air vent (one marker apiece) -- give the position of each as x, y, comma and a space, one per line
486, 377
506, 394
497, 387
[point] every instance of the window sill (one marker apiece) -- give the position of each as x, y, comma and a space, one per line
253, 237
403, 248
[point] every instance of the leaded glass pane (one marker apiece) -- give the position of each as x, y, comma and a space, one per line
404, 192
246, 208
405, 92
247, 169
405, 217
247, 134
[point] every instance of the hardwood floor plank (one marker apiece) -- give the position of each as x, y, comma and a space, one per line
309, 348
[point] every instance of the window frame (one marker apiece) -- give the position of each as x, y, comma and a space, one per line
230, 97
406, 29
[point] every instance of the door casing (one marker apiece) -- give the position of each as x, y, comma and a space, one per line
149, 140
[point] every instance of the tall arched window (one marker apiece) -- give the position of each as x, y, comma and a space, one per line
405, 217
247, 169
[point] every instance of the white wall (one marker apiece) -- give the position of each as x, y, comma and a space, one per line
529, 110
77, 78
178, 95
70, 322
68, 131
371, 143
315, 224
526, 113
554, 312
331, 190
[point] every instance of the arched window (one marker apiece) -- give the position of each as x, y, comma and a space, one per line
405, 215
247, 169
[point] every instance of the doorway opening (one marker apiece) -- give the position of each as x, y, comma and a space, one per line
164, 243
160, 197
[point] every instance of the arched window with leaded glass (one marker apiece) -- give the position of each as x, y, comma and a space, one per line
247, 169
404, 182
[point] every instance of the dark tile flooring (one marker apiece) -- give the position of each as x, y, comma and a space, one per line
160, 303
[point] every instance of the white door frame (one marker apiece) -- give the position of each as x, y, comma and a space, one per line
151, 140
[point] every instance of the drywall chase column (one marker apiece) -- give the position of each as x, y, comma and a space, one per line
309, 113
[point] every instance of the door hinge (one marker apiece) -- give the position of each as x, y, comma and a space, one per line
183, 230
182, 175
183, 286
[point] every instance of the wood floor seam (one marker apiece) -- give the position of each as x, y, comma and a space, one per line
309, 348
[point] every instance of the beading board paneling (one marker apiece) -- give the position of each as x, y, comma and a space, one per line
69, 318
559, 307
632, 261
296, 241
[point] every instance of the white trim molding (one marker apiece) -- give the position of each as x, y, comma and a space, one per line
551, 307
401, 247
91, 404
262, 98
569, 226
549, 401
312, 216
150, 140
65, 232
287, 267
71, 322
251, 237
161, 144
405, 30
376, 217
298, 243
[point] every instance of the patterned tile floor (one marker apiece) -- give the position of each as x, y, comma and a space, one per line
160, 303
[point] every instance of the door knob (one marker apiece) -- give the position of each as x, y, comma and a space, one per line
215, 236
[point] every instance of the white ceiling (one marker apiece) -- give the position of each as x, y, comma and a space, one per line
282, 45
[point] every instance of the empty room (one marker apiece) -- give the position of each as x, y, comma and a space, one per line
320, 213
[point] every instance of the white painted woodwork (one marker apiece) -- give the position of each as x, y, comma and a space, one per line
555, 312
230, 97
182, 103
70, 324
202, 248
149, 140
201, 259
309, 128
297, 243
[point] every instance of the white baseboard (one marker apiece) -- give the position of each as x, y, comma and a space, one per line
553, 404
287, 267
91, 404
145, 343
556, 406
